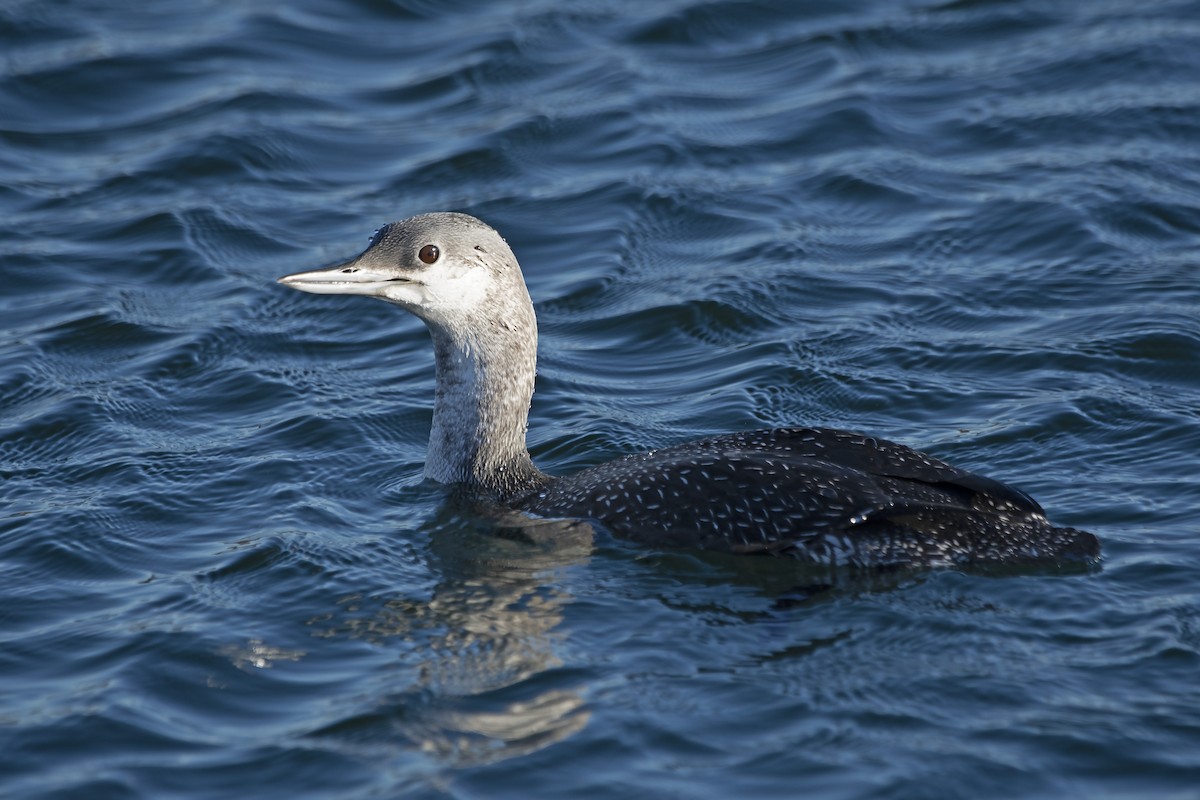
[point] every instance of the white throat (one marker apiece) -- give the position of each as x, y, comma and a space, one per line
485, 376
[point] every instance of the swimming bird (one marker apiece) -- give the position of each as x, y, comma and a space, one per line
830, 497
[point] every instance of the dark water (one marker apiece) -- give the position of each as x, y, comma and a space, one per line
970, 226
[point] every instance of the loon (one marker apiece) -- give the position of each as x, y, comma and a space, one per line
823, 496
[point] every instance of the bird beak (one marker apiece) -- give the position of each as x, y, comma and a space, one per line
350, 277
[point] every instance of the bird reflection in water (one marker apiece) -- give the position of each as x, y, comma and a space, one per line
486, 684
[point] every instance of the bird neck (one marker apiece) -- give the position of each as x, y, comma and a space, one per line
485, 376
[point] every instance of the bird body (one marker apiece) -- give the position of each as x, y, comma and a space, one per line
819, 495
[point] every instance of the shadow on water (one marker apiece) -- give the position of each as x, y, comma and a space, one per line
789, 584
486, 682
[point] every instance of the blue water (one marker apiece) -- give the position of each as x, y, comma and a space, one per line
972, 226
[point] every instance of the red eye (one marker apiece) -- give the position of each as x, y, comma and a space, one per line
429, 253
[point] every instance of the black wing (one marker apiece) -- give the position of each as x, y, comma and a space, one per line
815, 493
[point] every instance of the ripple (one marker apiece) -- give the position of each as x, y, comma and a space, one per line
966, 225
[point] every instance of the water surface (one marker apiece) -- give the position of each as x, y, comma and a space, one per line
968, 226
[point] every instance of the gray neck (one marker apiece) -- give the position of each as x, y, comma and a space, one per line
485, 375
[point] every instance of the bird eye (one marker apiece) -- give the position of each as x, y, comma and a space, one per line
429, 253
